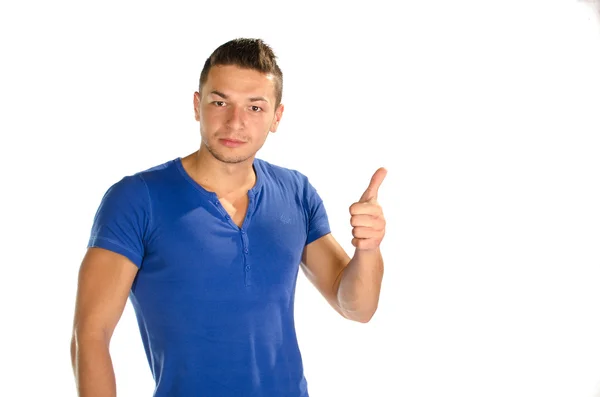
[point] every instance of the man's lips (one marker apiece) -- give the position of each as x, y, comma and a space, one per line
231, 142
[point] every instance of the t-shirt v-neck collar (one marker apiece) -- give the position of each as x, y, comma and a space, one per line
212, 195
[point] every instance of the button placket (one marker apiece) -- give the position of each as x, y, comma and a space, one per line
247, 267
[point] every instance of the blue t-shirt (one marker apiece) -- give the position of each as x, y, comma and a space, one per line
214, 302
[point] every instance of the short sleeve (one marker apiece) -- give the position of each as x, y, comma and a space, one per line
318, 221
123, 218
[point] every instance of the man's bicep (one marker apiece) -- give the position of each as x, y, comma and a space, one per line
105, 279
323, 261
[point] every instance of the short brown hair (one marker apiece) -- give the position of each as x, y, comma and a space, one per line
246, 53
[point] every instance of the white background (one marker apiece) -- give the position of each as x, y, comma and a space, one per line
486, 115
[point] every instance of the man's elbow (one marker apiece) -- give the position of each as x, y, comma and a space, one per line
359, 316
365, 318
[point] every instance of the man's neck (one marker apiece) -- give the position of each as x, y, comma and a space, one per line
219, 177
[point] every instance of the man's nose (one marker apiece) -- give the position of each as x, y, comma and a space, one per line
235, 118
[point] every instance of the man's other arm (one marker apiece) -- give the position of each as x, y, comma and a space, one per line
105, 279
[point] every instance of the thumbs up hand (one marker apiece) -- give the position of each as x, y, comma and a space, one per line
366, 216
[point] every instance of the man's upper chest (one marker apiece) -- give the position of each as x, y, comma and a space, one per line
257, 242
236, 206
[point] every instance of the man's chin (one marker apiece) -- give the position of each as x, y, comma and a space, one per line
229, 155
233, 160
230, 158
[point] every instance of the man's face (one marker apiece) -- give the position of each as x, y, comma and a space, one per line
236, 111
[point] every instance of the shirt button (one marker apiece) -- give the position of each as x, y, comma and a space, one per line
243, 232
248, 268
246, 250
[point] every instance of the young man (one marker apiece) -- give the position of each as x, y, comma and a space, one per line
208, 249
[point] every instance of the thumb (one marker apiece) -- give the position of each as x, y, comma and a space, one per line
373, 189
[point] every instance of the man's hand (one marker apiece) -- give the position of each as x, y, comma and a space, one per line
366, 216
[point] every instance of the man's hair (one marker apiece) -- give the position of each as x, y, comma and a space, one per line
246, 53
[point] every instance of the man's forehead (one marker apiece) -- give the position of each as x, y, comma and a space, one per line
233, 81
218, 72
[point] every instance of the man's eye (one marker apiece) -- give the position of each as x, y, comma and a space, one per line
256, 109
219, 103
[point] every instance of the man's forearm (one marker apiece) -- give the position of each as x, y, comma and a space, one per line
92, 367
360, 285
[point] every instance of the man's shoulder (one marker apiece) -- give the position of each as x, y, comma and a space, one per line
139, 180
158, 170
280, 173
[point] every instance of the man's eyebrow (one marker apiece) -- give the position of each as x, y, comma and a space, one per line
251, 99
258, 98
219, 94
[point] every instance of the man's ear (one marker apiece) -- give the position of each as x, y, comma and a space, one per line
277, 118
197, 101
